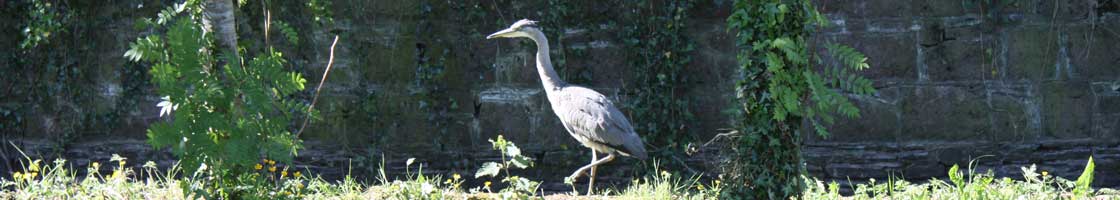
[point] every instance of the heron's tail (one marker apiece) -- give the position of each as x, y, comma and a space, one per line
636, 149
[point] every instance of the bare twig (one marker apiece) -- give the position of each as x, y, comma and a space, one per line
727, 134
318, 89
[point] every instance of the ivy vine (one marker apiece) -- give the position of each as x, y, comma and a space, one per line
659, 53
780, 89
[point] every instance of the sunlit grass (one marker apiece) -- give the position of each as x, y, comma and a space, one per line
969, 184
39, 180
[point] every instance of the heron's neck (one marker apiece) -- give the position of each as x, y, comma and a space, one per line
549, 79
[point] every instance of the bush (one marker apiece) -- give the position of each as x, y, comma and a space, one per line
223, 117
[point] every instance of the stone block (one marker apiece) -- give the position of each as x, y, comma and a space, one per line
941, 8
957, 49
1063, 11
1093, 51
1014, 111
521, 113
891, 56
1067, 108
1106, 110
1033, 53
945, 113
879, 120
866, 9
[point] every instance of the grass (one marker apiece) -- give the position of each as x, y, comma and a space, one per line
38, 180
971, 185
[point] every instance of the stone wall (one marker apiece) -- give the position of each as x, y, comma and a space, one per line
1006, 85
1026, 82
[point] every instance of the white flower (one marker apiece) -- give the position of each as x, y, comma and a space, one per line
165, 106
426, 188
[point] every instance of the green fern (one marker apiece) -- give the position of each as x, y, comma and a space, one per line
289, 32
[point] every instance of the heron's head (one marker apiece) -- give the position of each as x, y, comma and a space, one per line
520, 28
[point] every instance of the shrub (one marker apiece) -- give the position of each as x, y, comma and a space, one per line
223, 116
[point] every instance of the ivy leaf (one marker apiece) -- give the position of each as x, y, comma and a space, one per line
488, 169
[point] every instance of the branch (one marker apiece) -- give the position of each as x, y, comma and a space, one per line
330, 62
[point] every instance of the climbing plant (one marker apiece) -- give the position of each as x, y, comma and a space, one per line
782, 86
43, 19
659, 56
218, 119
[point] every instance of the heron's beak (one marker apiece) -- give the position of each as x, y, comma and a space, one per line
499, 34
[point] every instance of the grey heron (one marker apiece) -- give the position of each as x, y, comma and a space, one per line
590, 117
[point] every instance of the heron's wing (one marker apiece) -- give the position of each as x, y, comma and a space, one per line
592, 115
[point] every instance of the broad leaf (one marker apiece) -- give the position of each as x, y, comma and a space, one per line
488, 169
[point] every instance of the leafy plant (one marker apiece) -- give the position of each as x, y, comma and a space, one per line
288, 31
780, 88
321, 11
43, 19
225, 117
416, 185
519, 187
1083, 182
668, 185
659, 59
967, 185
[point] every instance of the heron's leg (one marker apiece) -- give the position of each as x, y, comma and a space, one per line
588, 167
591, 180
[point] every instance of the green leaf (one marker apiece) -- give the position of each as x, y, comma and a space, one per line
488, 169
1084, 181
241, 151
956, 177
161, 135
521, 162
512, 150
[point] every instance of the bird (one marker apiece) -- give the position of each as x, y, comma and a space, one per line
588, 116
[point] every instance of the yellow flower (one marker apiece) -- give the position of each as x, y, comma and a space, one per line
297, 174
33, 175
299, 185
17, 175
271, 162
455, 176
487, 184
258, 166
34, 166
95, 165
700, 187
1045, 173
665, 173
272, 169
284, 173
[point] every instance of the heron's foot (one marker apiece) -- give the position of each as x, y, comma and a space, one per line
574, 176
